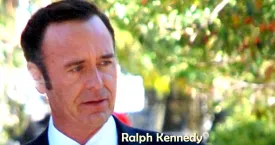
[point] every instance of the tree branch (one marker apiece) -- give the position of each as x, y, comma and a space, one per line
217, 9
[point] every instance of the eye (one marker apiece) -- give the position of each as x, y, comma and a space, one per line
76, 68
105, 63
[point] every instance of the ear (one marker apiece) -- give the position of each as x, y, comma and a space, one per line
38, 77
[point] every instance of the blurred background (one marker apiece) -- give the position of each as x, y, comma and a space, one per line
187, 66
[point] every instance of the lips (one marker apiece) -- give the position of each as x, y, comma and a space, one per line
94, 102
95, 105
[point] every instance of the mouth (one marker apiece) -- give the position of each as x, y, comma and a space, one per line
99, 104
95, 102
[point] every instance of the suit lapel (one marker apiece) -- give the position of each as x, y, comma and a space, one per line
42, 139
122, 128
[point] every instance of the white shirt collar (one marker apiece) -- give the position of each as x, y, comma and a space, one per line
106, 135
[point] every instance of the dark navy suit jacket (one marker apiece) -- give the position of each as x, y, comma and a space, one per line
42, 139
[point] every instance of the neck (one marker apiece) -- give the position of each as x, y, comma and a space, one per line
80, 134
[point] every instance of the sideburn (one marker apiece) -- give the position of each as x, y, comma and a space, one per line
44, 73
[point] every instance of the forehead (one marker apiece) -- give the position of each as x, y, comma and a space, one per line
77, 36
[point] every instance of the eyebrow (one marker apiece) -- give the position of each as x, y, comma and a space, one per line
78, 62
107, 56
74, 63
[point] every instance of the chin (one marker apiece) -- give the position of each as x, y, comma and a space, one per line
97, 119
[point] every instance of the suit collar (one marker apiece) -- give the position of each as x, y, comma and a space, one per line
42, 139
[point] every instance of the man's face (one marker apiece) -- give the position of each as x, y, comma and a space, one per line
79, 57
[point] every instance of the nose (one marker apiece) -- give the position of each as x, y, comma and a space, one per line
94, 80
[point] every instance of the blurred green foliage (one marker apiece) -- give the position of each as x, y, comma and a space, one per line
250, 119
220, 52
243, 132
185, 46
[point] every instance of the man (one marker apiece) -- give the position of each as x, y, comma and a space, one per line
70, 51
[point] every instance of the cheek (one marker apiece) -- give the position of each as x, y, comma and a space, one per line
64, 82
65, 91
110, 80
60, 77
